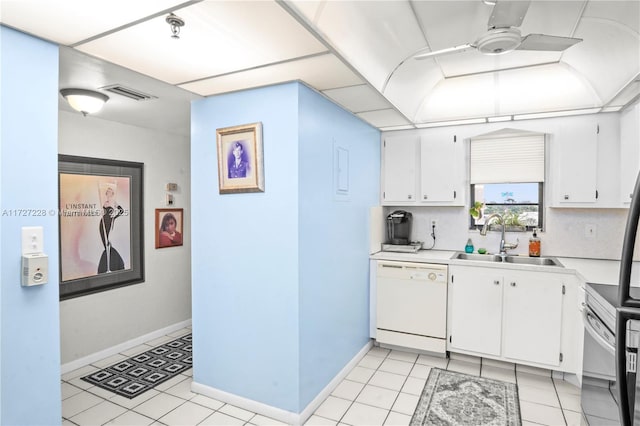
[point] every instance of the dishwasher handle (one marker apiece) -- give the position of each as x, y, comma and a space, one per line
589, 318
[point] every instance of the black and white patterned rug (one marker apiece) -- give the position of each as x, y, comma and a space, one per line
142, 372
451, 398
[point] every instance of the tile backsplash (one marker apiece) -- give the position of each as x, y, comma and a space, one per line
565, 233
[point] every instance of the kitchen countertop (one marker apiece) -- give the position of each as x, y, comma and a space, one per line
588, 270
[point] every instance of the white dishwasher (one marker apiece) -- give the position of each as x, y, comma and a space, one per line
411, 306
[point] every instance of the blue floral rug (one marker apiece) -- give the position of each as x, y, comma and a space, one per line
142, 372
451, 398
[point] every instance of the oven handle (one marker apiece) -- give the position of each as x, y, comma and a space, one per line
586, 313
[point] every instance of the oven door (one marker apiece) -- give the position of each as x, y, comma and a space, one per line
598, 372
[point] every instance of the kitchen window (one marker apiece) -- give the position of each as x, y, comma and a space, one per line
507, 177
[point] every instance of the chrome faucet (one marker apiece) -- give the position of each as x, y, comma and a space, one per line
504, 246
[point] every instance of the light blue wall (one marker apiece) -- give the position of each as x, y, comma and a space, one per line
280, 278
333, 239
245, 253
30, 339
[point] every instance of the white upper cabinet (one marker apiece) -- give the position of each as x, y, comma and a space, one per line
585, 155
442, 168
423, 168
399, 154
629, 152
577, 152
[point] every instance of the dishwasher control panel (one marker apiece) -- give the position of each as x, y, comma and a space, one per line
413, 271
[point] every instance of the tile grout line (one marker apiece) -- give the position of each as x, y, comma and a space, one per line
365, 385
559, 402
400, 391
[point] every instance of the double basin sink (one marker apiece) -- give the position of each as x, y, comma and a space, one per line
520, 260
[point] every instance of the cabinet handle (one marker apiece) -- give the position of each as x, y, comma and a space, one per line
424, 197
566, 197
409, 197
496, 282
513, 284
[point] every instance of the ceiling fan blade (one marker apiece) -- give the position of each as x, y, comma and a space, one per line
455, 49
547, 42
508, 13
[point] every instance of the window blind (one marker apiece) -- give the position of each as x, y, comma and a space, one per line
507, 159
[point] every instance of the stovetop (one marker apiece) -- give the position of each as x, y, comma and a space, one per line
602, 299
610, 293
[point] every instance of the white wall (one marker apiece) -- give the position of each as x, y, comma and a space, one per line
95, 322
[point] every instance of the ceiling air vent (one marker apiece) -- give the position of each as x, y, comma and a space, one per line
128, 92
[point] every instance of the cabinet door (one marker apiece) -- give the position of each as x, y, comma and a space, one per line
476, 309
441, 165
629, 152
577, 147
532, 317
399, 155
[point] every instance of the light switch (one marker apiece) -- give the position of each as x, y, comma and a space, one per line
32, 240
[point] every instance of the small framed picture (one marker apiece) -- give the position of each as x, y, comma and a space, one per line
240, 161
169, 228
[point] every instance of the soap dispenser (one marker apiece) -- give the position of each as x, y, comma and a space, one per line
469, 247
534, 244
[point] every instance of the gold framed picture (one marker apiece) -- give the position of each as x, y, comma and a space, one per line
240, 159
169, 227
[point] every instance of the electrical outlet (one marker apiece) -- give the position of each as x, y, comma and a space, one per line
590, 231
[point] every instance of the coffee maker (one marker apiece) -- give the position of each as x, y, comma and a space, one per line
399, 227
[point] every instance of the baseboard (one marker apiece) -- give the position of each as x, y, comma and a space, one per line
97, 356
279, 414
324, 393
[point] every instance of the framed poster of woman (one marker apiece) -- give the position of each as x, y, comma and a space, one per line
101, 224
169, 227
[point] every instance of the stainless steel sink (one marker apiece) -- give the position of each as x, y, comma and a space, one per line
482, 257
521, 260
544, 261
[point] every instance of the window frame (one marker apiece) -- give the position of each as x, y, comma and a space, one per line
540, 204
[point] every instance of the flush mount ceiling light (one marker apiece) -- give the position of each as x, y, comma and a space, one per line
85, 101
175, 22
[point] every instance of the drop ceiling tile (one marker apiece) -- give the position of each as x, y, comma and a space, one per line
459, 98
626, 95
411, 83
70, 21
452, 23
218, 37
358, 98
548, 88
383, 118
608, 56
320, 72
374, 36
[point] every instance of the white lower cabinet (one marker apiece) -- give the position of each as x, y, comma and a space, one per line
512, 315
473, 326
533, 317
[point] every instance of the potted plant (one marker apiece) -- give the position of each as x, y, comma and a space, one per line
476, 210
512, 223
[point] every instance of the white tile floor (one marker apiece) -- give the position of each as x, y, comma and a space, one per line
382, 390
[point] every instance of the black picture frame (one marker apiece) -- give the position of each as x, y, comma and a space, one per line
82, 223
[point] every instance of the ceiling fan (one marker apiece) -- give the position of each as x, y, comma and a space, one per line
503, 36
